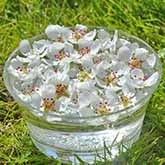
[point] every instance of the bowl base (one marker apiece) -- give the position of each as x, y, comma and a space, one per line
87, 157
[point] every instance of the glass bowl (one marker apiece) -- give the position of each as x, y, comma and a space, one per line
65, 138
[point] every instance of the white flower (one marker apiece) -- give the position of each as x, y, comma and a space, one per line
60, 81
83, 93
58, 33
21, 70
136, 57
80, 32
24, 47
61, 52
88, 47
48, 95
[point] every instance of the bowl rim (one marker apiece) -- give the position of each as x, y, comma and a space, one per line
59, 116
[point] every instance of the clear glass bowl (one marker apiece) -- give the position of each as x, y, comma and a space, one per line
64, 137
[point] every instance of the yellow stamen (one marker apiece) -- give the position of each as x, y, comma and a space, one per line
125, 100
102, 110
76, 35
135, 63
83, 75
61, 90
47, 104
109, 79
84, 51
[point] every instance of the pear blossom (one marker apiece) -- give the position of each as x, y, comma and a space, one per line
20, 69
88, 47
80, 32
60, 81
48, 96
81, 72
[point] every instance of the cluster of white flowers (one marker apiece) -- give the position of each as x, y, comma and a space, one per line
80, 72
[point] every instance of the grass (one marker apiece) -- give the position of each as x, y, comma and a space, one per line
21, 19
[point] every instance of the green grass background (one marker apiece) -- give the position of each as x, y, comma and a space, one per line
20, 19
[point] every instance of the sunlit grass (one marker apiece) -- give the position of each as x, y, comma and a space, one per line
20, 19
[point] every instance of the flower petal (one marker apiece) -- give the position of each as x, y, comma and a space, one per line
36, 100
35, 61
95, 47
63, 78
40, 45
48, 91
111, 96
99, 71
86, 85
90, 36
133, 46
55, 48
68, 48
124, 53
151, 60
137, 74
103, 35
121, 80
86, 98
85, 112
141, 53
52, 31
123, 42
120, 68
114, 42
152, 79
24, 47
79, 27
84, 43
23, 60
137, 83
128, 90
